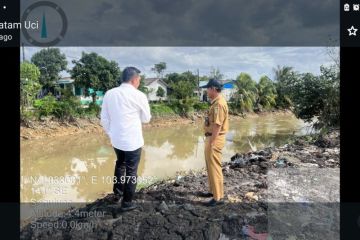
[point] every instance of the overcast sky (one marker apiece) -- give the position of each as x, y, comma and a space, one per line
231, 61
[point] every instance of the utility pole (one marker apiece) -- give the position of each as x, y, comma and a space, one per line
198, 77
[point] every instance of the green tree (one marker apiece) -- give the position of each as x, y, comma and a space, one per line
50, 62
160, 92
95, 72
29, 84
245, 98
159, 69
317, 97
182, 85
142, 86
266, 93
330, 114
187, 76
284, 76
182, 89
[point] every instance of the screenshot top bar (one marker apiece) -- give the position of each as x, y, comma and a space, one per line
173, 23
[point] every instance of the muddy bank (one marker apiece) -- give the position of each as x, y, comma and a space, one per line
50, 127
282, 193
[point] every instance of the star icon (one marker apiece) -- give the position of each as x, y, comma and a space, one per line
352, 31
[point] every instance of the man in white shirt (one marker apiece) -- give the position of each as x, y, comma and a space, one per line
124, 109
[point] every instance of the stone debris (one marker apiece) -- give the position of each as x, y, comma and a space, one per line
174, 209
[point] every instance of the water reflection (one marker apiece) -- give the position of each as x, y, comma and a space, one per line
86, 162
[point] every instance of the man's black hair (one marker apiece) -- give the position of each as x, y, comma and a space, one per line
129, 72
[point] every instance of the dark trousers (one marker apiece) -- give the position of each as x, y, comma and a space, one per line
126, 172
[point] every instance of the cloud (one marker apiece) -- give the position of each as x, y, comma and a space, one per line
231, 61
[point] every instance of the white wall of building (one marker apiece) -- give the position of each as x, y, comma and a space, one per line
228, 92
153, 87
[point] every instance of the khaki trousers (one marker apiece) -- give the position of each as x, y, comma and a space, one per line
213, 158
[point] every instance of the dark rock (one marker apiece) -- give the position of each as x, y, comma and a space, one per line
173, 210
212, 231
163, 207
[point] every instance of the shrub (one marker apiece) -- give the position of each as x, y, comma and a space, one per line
68, 108
183, 106
63, 109
93, 109
161, 109
201, 106
45, 106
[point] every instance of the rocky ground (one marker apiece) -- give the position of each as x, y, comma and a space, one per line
275, 193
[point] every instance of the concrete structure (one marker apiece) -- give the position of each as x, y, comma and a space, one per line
68, 83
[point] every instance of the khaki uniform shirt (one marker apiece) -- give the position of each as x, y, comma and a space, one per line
218, 114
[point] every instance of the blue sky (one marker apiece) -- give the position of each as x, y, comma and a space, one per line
257, 61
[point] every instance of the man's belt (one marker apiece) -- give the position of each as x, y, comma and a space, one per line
208, 134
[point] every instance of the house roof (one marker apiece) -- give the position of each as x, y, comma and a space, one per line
149, 81
226, 83
65, 80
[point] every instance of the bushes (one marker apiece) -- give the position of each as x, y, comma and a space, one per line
93, 110
45, 106
161, 109
68, 108
64, 109
317, 97
201, 106
183, 106
177, 107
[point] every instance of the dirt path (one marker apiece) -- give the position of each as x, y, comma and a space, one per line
275, 193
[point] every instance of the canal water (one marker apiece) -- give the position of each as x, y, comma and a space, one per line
79, 168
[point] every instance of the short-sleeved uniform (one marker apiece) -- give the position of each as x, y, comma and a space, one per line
217, 114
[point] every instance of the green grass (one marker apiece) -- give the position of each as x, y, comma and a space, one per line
161, 109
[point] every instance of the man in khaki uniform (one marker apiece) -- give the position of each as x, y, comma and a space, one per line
216, 126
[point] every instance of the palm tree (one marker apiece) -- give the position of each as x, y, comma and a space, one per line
281, 73
283, 77
246, 95
266, 93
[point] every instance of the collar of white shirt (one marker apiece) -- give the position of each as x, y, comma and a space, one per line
129, 85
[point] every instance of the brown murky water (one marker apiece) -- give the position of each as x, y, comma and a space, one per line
80, 168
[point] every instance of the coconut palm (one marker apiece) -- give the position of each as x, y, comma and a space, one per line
245, 98
283, 76
266, 93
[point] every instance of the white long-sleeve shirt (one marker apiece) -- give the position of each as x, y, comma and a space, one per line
124, 108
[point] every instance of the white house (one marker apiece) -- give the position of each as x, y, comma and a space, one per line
153, 84
68, 83
229, 88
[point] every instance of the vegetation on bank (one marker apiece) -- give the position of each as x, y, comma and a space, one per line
309, 96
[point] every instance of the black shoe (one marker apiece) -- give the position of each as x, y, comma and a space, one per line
117, 196
206, 194
213, 203
128, 206
118, 192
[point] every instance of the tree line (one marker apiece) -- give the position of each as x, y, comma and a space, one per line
312, 98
